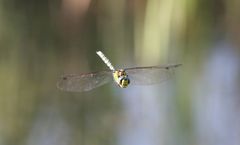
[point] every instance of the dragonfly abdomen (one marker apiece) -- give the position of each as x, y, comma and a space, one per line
105, 60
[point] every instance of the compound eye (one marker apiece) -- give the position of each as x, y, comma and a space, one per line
120, 73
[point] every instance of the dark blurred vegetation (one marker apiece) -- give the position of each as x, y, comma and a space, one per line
41, 40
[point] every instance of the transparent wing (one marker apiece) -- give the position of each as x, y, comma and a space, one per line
150, 75
84, 82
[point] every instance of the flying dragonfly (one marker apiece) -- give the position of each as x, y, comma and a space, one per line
122, 77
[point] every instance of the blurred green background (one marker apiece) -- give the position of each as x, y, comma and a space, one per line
41, 40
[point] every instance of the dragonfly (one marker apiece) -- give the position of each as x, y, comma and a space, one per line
122, 77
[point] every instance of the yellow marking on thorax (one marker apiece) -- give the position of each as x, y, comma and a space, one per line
115, 76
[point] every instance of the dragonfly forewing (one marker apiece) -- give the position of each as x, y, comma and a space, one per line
150, 75
84, 82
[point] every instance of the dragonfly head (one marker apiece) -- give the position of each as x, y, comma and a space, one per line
124, 81
121, 78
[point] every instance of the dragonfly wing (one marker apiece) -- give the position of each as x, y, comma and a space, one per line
150, 75
84, 82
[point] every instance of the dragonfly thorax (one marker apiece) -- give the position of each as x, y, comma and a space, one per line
121, 78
